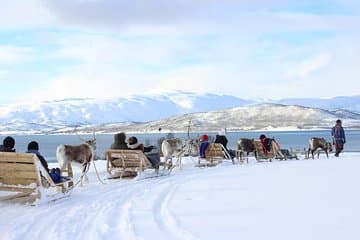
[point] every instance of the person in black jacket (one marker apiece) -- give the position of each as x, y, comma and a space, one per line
119, 141
33, 147
223, 140
8, 145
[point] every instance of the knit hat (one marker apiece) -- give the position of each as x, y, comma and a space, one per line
9, 142
204, 137
33, 146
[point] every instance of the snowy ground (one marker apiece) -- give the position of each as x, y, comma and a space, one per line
304, 199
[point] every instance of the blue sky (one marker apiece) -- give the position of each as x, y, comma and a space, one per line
257, 49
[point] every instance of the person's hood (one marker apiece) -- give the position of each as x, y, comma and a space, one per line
120, 137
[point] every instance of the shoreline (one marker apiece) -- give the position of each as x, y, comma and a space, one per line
174, 132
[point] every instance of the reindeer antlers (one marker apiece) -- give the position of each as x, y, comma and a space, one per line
83, 139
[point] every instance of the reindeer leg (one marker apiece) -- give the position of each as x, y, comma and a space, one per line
312, 153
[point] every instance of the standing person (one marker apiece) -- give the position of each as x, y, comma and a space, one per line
338, 135
8, 145
119, 141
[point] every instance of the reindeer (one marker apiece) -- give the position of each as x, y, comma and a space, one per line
316, 144
79, 155
192, 147
246, 145
173, 147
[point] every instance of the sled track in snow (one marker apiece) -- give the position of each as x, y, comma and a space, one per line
119, 210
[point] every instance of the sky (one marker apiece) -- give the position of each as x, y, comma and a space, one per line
273, 49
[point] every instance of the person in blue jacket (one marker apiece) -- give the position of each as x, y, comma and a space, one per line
338, 135
204, 144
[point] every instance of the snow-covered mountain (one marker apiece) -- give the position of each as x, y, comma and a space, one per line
255, 117
131, 113
351, 103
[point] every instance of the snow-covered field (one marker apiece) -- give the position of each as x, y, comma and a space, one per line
304, 199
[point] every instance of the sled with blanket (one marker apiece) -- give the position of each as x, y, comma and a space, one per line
24, 179
132, 163
264, 154
215, 153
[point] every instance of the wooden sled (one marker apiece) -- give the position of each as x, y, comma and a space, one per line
128, 163
260, 155
289, 154
214, 155
24, 175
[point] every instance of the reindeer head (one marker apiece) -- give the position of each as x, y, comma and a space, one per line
92, 143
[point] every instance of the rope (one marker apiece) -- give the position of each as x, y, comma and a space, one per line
97, 174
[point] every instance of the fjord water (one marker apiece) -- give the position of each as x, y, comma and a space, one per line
297, 140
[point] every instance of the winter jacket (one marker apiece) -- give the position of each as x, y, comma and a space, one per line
223, 140
203, 147
266, 144
41, 158
119, 141
6, 149
141, 147
154, 158
338, 134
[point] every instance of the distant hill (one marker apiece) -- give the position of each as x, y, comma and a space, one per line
59, 115
255, 117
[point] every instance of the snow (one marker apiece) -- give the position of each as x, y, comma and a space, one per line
294, 199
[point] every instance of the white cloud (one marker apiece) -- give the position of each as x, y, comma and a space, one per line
14, 54
308, 66
19, 14
127, 47
3, 73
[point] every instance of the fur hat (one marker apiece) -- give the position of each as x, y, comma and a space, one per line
9, 142
133, 142
204, 137
33, 146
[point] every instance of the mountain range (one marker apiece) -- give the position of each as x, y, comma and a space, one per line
174, 110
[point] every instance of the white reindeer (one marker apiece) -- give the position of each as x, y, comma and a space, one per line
79, 155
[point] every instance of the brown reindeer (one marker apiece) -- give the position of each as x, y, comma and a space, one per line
317, 144
246, 145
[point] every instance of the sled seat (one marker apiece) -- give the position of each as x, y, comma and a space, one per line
214, 155
126, 163
260, 155
23, 175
